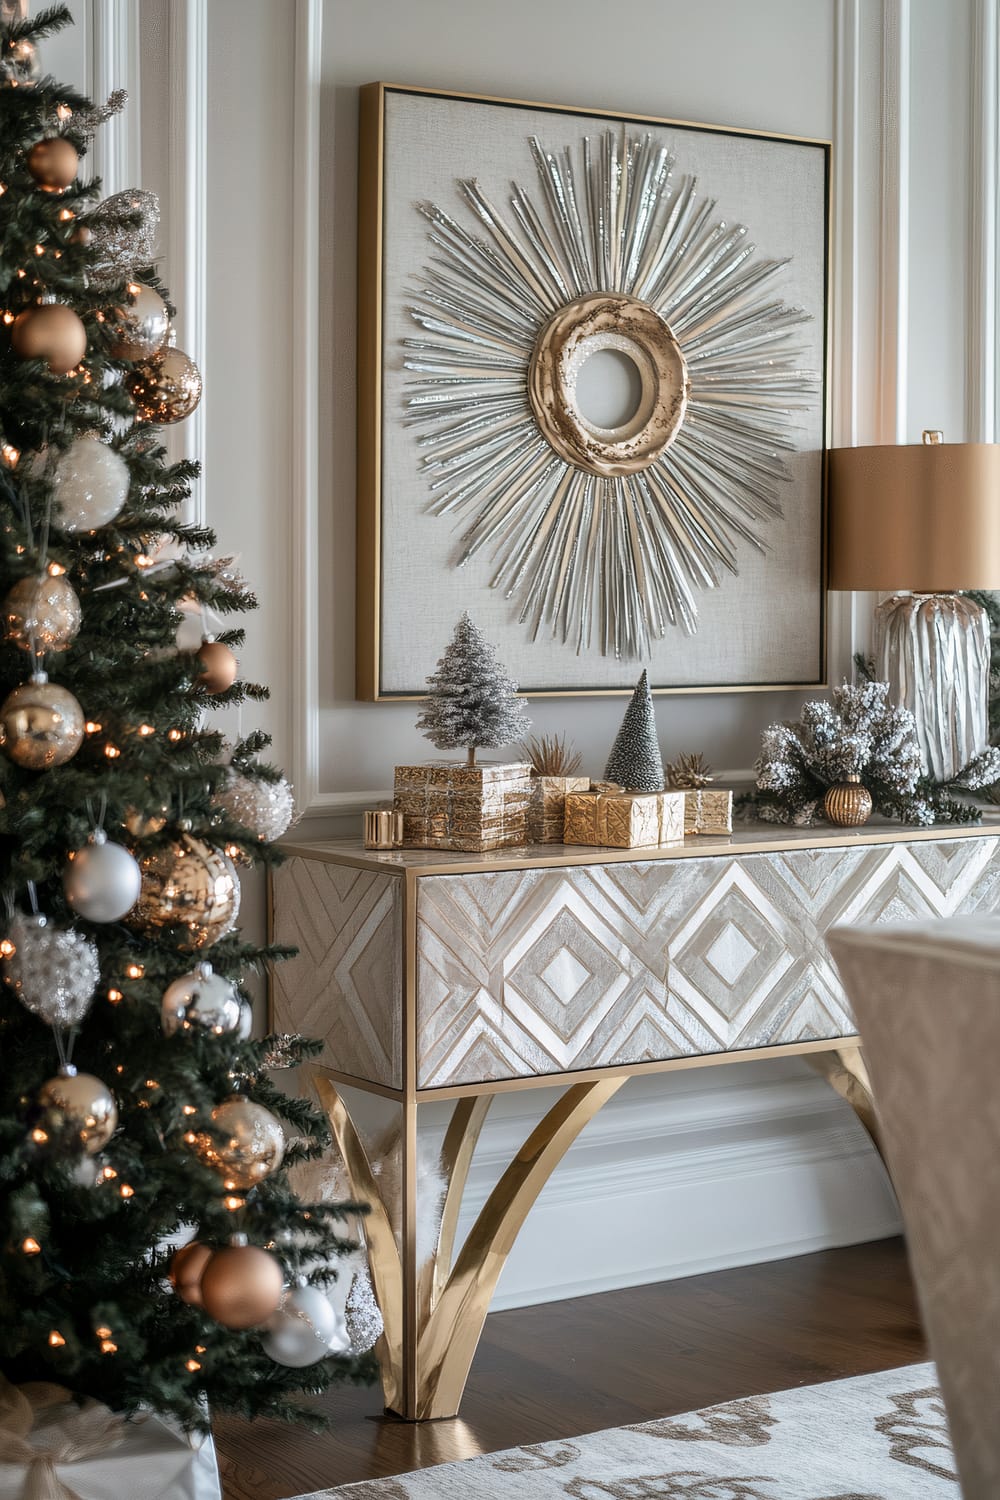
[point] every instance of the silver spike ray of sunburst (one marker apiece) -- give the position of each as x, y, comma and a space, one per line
603, 560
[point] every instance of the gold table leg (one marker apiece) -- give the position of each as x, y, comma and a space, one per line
434, 1313
845, 1071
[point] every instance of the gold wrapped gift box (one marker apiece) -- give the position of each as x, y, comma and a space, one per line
547, 808
617, 819
472, 808
707, 810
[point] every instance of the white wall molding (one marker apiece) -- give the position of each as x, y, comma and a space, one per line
112, 31
894, 125
984, 159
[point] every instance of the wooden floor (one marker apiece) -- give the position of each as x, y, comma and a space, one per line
576, 1366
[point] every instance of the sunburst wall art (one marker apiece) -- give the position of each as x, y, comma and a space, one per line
592, 537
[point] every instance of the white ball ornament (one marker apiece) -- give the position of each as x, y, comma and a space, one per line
102, 880
89, 486
52, 970
265, 808
201, 1001
303, 1329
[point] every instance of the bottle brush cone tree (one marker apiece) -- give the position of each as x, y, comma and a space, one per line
472, 703
635, 761
118, 825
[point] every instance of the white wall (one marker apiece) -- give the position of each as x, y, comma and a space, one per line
742, 1163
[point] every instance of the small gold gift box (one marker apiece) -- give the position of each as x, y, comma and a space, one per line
547, 808
708, 810
616, 819
453, 806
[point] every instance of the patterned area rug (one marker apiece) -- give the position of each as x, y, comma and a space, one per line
876, 1437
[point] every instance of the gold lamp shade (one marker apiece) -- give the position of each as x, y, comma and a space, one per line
923, 517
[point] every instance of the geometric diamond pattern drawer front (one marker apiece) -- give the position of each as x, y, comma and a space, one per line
527, 972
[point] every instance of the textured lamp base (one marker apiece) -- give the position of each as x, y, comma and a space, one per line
934, 652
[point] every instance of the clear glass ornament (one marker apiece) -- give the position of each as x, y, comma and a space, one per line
264, 808
53, 971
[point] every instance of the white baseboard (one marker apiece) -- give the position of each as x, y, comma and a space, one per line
686, 1173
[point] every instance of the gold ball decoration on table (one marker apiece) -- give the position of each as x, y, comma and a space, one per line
140, 326
188, 884
42, 613
219, 667
52, 332
848, 803
41, 724
90, 485
187, 1267
53, 163
242, 1286
166, 388
82, 1103
252, 1144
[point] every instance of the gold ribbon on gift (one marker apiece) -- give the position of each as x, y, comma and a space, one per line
87, 1430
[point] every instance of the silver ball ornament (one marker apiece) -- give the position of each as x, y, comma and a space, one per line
201, 1001
81, 1102
139, 328
265, 808
362, 1314
89, 485
53, 971
302, 1330
102, 880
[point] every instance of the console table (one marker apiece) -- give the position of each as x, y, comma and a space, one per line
435, 976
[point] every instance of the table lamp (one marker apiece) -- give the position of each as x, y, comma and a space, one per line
924, 518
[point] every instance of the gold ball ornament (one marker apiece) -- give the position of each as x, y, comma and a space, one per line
53, 163
847, 803
42, 613
142, 825
242, 1286
139, 328
41, 724
219, 667
188, 884
252, 1144
166, 388
187, 1267
52, 332
82, 1103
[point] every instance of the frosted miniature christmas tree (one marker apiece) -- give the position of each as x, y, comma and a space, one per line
472, 703
634, 762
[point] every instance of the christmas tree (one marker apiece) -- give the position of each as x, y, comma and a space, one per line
472, 703
634, 762
135, 1112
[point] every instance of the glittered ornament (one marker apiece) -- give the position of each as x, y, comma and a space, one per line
218, 666
250, 1147
89, 485
201, 1001
122, 235
362, 1314
53, 163
166, 388
51, 332
187, 1267
241, 1286
302, 1330
42, 613
41, 724
52, 970
102, 880
139, 326
263, 808
188, 884
81, 1103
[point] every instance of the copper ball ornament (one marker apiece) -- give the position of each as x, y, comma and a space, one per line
54, 163
219, 667
187, 1267
166, 388
81, 1103
252, 1144
41, 724
52, 332
241, 1287
191, 885
140, 326
42, 613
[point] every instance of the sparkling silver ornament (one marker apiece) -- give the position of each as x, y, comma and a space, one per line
201, 1001
102, 880
265, 808
303, 1329
53, 971
362, 1314
80, 1102
122, 235
89, 485
139, 327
